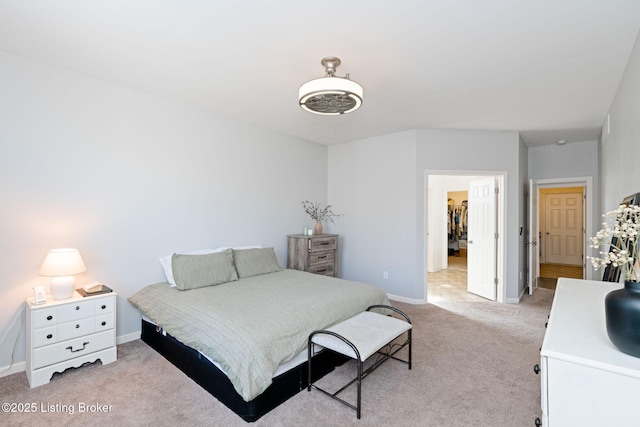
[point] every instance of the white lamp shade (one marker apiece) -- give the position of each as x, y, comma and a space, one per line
61, 264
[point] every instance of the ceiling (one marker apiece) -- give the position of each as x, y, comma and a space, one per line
546, 68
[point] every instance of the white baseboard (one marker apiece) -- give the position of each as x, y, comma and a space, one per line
406, 300
516, 300
129, 337
13, 369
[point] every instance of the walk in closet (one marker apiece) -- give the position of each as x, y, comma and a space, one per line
457, 208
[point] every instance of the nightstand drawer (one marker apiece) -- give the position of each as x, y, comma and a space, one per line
105, 305
78, 310
323, 244
321, 258
45, 316
45, 336
66, 331
104, 322
75, 329
324, 269
70, 349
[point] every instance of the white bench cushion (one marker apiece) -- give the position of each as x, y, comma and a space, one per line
367, 331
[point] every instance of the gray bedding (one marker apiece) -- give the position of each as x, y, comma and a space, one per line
252, 325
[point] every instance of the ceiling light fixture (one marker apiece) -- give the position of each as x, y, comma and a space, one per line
330, 95
561, 142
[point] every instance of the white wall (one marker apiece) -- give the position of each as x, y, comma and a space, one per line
473, 152
127, 178
564, 161
620, 150
380, 182
573, 160
372, 182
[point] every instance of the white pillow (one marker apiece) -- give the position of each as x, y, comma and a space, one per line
165, 261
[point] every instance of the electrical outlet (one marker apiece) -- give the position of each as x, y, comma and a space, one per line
385, 275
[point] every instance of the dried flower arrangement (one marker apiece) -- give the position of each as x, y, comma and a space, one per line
620, 233
318, 213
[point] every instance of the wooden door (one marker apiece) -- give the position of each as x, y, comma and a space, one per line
564, 228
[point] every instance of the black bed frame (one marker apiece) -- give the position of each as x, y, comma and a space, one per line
208, 376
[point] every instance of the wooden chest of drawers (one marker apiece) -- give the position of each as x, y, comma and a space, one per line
315, 254
67, 333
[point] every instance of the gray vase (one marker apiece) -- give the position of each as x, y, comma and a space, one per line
622, 311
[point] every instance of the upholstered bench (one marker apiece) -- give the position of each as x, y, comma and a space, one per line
359, 338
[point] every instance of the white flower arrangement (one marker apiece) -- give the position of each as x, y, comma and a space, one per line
620, 233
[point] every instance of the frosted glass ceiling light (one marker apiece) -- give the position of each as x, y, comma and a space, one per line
330, 95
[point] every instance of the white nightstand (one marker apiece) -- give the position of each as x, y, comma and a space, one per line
63, 334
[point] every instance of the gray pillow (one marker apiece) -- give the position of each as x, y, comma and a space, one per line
254, 262
198, 271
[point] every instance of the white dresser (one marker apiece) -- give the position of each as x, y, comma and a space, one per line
67, 333
586, 380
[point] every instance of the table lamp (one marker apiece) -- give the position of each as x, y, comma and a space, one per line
61, 264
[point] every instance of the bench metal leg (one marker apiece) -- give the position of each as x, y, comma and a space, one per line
359, 401
361, 372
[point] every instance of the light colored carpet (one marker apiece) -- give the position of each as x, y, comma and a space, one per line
472, 366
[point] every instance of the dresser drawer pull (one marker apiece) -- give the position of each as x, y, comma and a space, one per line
324, 243
103, 306
49, 336
322, 271
77, 307
77, 326
104, 323
49, 317
84, 344
322, 257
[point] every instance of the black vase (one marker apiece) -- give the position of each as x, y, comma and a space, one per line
622, 311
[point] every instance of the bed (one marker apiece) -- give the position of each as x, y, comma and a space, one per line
238, 324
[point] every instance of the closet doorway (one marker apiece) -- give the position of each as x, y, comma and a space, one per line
462, 263
450, 283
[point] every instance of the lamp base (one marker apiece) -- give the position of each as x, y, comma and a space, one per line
62, 287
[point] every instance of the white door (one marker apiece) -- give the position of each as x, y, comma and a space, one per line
532, 238
481, 232
563, 228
